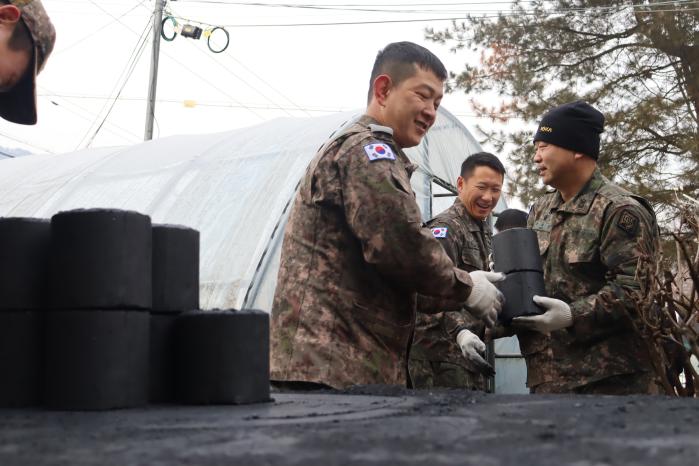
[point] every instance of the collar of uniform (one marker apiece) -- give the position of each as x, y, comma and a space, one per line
365, 120
582, 201
473, 224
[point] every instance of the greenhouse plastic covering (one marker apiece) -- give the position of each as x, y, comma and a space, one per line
234, 187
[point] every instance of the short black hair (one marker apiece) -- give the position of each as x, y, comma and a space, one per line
480, 159
511, 218
399, 61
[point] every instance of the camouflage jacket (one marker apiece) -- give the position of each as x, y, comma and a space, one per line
590, 247
467, 241
353, 257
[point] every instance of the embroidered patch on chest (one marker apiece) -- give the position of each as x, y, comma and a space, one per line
440, 232
379, 151
628, 222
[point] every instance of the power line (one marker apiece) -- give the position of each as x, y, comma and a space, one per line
126, 80
126, 73
26, 143
420, 20
257, 106
84, 113
351, 5
266, 83
235, 75
103, 2
206, 103
98, 30
250, 85
366, 9
222, 2
377, 8
214, 86
339, 23
189, 70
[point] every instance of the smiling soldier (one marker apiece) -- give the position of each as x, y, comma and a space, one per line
592, 236
355, 253
448, 349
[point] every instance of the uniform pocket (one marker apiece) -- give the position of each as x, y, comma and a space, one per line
471, 259
581, 254
583, 260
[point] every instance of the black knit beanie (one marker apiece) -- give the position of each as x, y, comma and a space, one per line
575, 126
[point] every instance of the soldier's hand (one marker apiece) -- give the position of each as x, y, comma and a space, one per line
485, 301
556, 317
473, 350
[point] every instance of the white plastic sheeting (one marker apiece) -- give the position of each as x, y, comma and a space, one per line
233, 187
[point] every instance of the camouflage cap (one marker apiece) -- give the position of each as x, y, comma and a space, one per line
19, 104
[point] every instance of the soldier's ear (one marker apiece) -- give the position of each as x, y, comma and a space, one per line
460, 184
382, 87
9, 14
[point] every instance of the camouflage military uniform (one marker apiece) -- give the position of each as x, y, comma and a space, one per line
591, 246
435, 358
353, 257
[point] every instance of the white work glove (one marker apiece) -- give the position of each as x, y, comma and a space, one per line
556, 317
485, 301
473, 350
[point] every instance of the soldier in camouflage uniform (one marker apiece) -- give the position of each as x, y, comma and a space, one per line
26, 40
437, 358
354, 252
591, 235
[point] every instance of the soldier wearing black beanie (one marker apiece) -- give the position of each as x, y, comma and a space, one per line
592, 236
575, 126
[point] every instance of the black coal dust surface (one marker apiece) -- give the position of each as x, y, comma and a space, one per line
376, 424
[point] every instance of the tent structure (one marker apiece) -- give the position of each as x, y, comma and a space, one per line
234, 187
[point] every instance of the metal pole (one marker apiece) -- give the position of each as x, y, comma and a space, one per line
157, 27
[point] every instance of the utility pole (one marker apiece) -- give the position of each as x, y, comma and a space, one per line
157, 29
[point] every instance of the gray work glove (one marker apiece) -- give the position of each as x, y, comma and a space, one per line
473, 350
485, 301
556, 317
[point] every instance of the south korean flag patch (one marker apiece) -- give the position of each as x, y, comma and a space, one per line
378, 151
440, 232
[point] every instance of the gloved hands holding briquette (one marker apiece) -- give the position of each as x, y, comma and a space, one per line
485, 301
473, 350
557, 316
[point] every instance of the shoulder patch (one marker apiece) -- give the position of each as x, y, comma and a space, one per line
379, 151
439, 232
628, 221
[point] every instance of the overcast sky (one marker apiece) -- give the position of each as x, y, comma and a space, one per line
268, 71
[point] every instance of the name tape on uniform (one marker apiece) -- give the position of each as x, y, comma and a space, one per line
378, 151
440, 232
